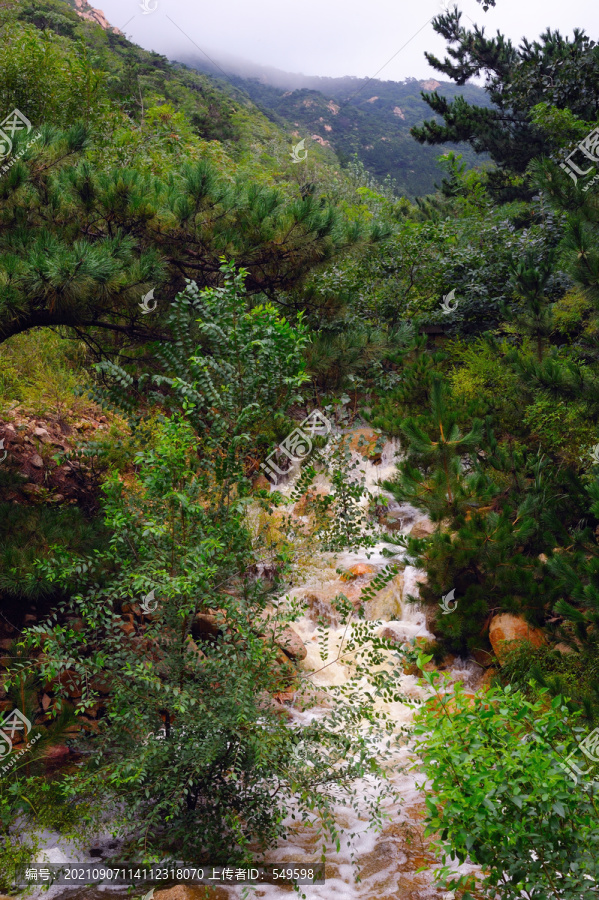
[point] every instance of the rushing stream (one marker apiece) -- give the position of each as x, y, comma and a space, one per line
389, 859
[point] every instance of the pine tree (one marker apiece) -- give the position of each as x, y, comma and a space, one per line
81, 247
496, 510
553, 69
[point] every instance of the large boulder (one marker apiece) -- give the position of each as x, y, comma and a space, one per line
507, 630
357, 571
366, 442
387, 603
306, 504
422, 529
291, 644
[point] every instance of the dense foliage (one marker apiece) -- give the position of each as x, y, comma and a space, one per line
463, 323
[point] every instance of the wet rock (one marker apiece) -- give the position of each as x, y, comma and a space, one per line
392, 521
291, 644
357, 571
448, 661
482, 657
367, 443
386, 604
305, 505
261, 483
507, 630
286, 671
422, 529
320, 611
390, 634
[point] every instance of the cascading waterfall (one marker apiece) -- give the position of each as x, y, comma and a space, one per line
388, 859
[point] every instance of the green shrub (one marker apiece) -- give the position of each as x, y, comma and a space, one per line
499, 798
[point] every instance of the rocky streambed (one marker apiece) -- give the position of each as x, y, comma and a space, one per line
389, 859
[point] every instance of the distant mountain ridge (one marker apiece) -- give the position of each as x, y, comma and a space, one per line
366, 117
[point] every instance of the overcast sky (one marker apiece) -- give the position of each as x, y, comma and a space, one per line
331, 37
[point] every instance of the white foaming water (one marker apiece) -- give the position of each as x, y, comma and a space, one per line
390, 857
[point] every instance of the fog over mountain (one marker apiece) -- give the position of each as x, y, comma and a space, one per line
384, 38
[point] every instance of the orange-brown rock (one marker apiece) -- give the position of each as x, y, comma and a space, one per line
506, 631
291, 644
56, 753
482, 657
100, 684
305, 504
563, 648
489, 676
358, 570
366, 442
422, 529
261, 483
447, 703
88, 724
69, 682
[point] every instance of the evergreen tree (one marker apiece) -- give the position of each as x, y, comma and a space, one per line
560, 71
496, 510
81, 247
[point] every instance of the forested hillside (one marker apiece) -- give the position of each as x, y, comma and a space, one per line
367, 118
299, 475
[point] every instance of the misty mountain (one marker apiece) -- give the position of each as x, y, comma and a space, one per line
367, 118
